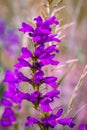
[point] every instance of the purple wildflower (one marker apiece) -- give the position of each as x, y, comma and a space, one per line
45, 107
13, 84
25, 53
33, 97
22, 77
53, 120
31, 121
41, 56
13, 96
66, 121
6, 102
52, 94
10, 77
38, 65
42, 33
8, 117
50, 81
47, 99
38, 76
26, 28
22, 63
46, 24
46, 55
39, 79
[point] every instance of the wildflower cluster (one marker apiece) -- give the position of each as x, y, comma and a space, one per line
42, 56
9, 39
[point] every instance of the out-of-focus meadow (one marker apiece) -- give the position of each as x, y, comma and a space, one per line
73, 47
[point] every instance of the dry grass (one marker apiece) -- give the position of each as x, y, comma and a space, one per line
75, 92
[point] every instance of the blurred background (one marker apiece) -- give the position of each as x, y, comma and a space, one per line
73, 47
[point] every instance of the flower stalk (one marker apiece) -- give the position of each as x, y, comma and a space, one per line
42, 56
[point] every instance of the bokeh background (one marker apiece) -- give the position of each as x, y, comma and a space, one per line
73, 46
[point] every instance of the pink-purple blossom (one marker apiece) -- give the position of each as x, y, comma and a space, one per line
35, 61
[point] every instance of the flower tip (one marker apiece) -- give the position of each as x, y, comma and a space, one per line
26, 124
20, 29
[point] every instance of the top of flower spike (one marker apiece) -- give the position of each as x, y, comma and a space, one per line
42, 32
39, 23
49, 21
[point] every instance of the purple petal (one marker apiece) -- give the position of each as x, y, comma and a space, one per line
26, 28
37, 39
50, 120
45, 100
6, 102
39, 50
45, 121
53, 62
7, 112
51, 20
31, 121
38, 65
22, 95
51, 49
44, 56
9, 77
8, 117
6, 123
38, 77
38, 21
59, 113
52, 123
50, 80
34, 96
66, 121
52, 37
45, 29
52, 94
46, 108
22, 63
47, 60
25, 53
9, 94
12, 118
21, 77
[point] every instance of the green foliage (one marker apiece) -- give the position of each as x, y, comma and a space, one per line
1, 89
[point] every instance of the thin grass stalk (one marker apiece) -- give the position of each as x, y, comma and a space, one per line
75, 92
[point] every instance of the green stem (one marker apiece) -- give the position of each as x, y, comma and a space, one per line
36, 88
43, 127
1, 64
16, 126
